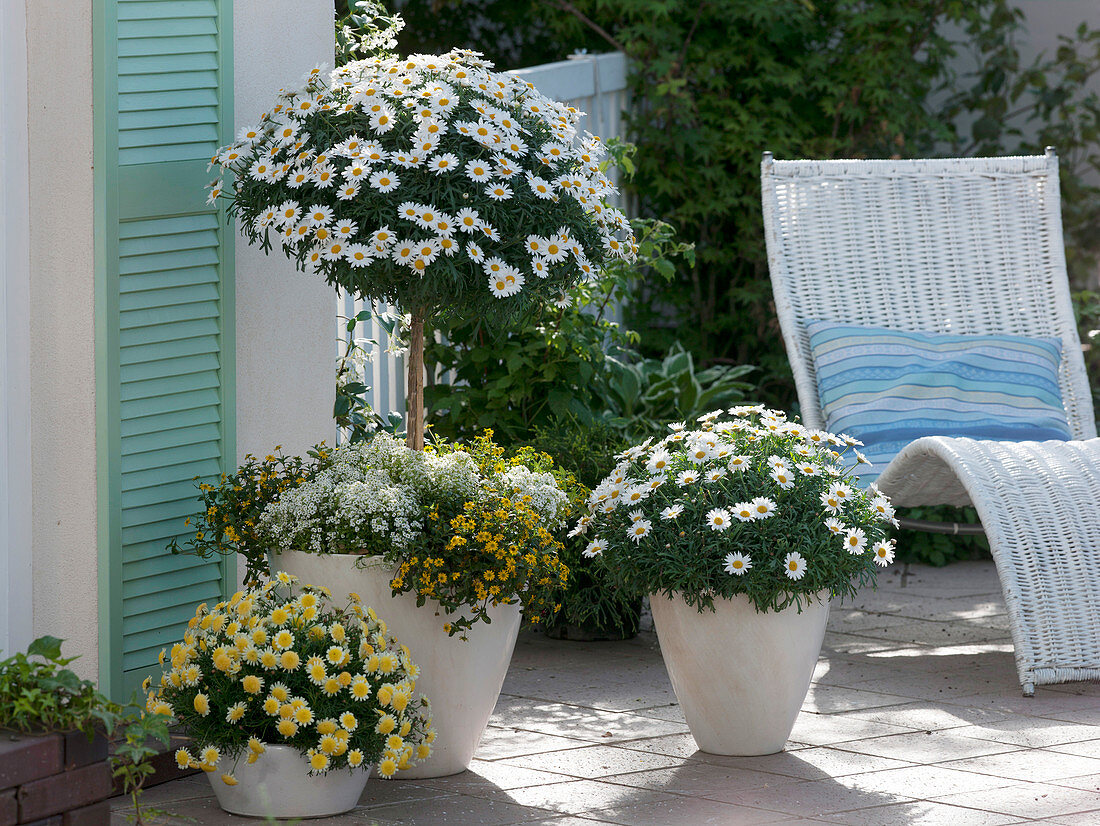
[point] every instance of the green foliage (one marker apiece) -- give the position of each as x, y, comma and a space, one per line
570, 363
353, 414
37, 692
1086, 304
939, 549
589, 601
131, 763
228, 522
644, 395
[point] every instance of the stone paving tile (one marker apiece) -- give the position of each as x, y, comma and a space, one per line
690, 811
1087, 782
813, 798
594, 761
696, 778
920, 813
1034, 800
507, 741
923, 782
928, 716
827, 699
1085, 748
187, 788
589, 724
454, 810
486, 776
928, 746
581, 796
1035, 765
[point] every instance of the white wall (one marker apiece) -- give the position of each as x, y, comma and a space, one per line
285, 331
16, 618
61, 328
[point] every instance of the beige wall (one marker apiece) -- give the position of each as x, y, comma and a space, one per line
285, 318
62, 335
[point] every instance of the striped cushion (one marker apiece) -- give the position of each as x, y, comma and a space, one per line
888, 387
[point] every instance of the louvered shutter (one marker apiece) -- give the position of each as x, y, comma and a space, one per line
167, 310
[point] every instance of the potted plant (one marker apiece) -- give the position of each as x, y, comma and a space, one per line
452, 543
429, 182
740, 530
290, 700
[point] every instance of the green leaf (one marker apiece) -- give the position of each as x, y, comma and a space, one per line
47, 647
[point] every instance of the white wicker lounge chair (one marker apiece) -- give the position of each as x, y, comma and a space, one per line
959, 246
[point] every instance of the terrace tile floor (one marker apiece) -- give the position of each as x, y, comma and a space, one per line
915, 716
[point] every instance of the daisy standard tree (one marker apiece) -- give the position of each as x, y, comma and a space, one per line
429, 182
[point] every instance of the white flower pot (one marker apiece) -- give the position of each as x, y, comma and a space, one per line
740, 675
462, 679
279, 785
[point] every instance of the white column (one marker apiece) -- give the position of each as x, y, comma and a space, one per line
16, 616
285, 318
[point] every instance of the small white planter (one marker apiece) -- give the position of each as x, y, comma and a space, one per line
278, 785
740, 676
462, 679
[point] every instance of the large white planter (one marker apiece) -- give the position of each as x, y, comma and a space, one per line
740, 675
278, 785
462, 679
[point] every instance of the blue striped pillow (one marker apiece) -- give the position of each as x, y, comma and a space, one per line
888, 387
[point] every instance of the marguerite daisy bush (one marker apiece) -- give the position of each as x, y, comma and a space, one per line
279, 665
431, 182
742, 502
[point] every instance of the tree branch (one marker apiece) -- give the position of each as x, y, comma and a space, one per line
566, 6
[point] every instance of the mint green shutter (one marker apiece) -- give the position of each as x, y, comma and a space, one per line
165, 344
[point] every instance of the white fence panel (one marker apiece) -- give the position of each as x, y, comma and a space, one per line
593, 84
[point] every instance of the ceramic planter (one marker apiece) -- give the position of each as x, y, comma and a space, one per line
462, 679
740, 676
279, 785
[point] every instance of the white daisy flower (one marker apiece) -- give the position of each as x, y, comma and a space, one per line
345, 229
540, 187
737, 563
595, 548
658, 461
700, 452
383, 237
640, 529
831, 503
739, 463
348, 190
835, 525
762, 507
319, 215
841, 491
794, 565
687, 477
403, 251
636, 515
564, 301
582, 526
884, 552
499, 192
809, 469
475, 252
539, 267
672, 511
478, 171
715, 475
782, 478
718, 519
288, 214
676, 427
744, 511
855, 540
638, 493
467, 220
882, 507
359, 255
656, 481
385, 180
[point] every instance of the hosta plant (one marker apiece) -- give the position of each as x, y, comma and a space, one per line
460, 525
744, 502
280, 665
